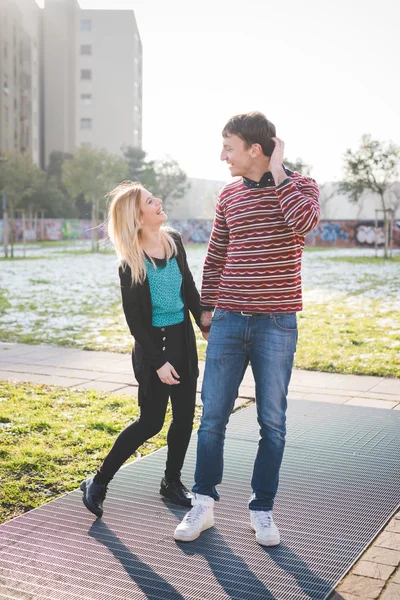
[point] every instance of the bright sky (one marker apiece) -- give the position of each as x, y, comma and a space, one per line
324, 72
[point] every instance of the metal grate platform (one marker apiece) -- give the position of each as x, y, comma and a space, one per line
340, 483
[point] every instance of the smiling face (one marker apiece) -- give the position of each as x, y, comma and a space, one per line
238, 156
152, 214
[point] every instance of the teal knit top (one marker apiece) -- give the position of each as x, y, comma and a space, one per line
165, 280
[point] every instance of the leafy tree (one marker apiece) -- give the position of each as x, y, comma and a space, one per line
51, 199
375, 167
298, 165
20, 179
171, 181
55, 169
164, 177
93, 173
138, 168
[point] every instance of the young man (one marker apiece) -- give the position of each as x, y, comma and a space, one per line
252, 278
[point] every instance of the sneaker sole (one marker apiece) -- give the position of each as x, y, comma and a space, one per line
271, 542
182, 538
82, 487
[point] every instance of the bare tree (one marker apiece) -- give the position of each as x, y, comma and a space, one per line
374, 166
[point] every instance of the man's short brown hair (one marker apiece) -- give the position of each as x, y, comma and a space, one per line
252, 128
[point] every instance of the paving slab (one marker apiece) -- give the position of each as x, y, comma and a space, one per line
334, 399
374, 570
358, 393
392, 592
396, 578
333, 380
14, 349
41, 379
128, 379
369, 402
387, 386
388, 539
365, 587
23, 368
344, 596
394, 526
383, 556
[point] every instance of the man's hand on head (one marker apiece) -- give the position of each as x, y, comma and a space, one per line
276, 160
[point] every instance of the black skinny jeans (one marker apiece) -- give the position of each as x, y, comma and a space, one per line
153, 408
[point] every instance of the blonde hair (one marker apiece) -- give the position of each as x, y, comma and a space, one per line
125, 230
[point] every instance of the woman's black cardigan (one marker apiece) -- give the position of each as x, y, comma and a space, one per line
136, 302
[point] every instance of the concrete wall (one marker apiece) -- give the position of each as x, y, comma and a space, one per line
19, 77
335, 205
104, 110
115, 64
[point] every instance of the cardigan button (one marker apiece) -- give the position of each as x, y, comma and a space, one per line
163, 348
164, 338
162, 328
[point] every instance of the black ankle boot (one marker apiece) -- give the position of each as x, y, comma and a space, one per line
175, 491
93, 496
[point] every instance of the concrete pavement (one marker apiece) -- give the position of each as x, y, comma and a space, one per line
112, 372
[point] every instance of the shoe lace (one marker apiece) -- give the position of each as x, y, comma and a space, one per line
194, 514
101, 490
178, 485
264, 518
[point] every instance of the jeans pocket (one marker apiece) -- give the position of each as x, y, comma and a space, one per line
286, 322
218, 314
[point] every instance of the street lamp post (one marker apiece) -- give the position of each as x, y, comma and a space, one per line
5, 218
5, 225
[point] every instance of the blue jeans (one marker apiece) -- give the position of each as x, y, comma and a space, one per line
269, 343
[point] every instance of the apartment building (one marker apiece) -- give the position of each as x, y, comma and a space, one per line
20, 77
92, 70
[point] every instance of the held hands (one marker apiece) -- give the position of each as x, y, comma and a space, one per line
205, 320
167, 374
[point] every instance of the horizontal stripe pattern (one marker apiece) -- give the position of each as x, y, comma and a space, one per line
253, 260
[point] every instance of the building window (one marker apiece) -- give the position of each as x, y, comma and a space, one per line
86, 123
86, 25
86, 49
86, 74
86, 98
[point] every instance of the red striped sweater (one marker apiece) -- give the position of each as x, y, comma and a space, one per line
253, 260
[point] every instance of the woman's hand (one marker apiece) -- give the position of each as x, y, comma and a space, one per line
167, 374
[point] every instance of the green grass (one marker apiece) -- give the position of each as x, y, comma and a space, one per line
317, 248
351, 336
51, 438
365, 260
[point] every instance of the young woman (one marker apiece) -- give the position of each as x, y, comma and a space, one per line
158, 292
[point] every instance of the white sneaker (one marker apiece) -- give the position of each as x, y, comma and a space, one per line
198, 519
267, 533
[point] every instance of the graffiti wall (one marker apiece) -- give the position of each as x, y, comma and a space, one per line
341, 234
347, 234
50, 229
